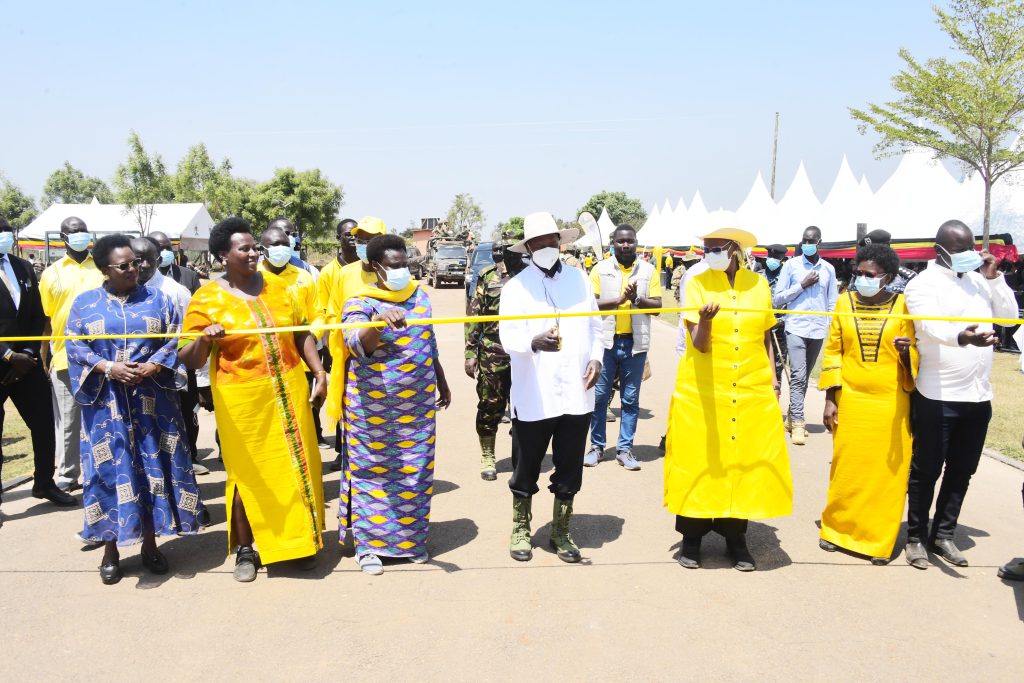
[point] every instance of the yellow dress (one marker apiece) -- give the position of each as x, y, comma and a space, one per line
264, 418
725, 452
350, 280
871, 445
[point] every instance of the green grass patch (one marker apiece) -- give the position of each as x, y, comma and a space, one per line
17, 444
1004, 432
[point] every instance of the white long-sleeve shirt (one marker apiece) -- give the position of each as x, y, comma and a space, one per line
548, 384
950, 372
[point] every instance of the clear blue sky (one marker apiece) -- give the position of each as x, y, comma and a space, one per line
527, 106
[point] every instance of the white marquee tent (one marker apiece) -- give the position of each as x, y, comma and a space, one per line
189, 223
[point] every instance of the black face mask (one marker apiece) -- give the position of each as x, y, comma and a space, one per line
514, 261
498, 254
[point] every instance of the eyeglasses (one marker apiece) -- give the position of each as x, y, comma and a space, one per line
717, 250
127, 265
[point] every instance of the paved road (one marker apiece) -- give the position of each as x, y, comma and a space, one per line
628, 612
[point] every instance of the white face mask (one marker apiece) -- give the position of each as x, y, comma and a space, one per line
718, 260
545, 258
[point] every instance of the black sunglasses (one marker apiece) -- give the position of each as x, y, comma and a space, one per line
127, 265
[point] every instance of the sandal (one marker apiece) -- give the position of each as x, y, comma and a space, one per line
371, 564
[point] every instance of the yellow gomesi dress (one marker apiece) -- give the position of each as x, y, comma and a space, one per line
872, 443
725, 454
264, 418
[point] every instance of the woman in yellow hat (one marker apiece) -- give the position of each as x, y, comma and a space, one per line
726, 459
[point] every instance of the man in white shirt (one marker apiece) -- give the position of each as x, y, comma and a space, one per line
555, 364
952, 407
147, 250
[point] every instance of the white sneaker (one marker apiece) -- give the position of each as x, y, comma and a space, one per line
592, 457
371, 564
627, 460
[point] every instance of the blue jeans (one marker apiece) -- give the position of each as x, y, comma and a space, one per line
618, 360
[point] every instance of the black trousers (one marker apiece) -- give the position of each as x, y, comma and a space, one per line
567, 435
31, 397
697, 527
189, 400
949, 433
316, 413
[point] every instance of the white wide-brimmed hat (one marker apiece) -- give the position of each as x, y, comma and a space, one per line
540, 224
723, 225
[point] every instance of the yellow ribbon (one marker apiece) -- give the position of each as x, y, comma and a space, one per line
1005, 322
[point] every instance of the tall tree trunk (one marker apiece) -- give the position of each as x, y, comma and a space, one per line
988, 212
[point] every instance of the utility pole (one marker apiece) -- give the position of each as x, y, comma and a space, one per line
775, 153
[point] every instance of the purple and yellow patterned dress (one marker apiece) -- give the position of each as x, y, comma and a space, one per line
390, 406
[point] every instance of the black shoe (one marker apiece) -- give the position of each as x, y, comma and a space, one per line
689, 553
203, 518
489, 475
661, 445
336, 465
247, 562
55, 496
521, 555
155, 563
826, 546
69, 487
917, 557
110, 573
741, 558
947, 550
1012, 570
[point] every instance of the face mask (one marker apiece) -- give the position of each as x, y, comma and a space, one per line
964, 261
545, 258
809, 249
292, 242
718, 260
166, 258
79, 241
279, 255
361, 252
868, 286
397, 279
772, 263
498, 254
6, 242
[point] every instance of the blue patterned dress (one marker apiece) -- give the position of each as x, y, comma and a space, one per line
389, 409
135, 455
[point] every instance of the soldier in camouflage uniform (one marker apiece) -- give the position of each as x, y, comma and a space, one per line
486, 360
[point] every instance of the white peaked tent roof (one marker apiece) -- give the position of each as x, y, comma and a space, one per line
844, 207
190, 223
864, 184
798, 208
696, 216
650, 227
758, 212
604, 222
917, 198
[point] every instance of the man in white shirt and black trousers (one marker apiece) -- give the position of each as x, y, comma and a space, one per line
556, 362
951, 408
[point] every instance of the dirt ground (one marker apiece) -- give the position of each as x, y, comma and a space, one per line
628, 612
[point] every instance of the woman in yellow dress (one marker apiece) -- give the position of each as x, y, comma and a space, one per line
725, 456
868, 373
262, 404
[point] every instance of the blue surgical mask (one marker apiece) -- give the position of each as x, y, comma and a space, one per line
868, 286
361, 252
772, 263
963, 261
397, 279
166, 257
79, 241
292, 241
279, 255
6, 242
809, 249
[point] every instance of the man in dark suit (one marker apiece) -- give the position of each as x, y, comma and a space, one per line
21, 373
186, 277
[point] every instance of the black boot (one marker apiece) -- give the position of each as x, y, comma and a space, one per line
689, 553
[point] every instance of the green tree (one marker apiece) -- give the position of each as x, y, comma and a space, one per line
199, 179
17, 207
68, 185
970, 107
513, 227
141, 182
621, 208
464, 217
307, 198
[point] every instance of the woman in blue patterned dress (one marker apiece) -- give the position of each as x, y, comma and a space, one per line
395, 385
139, 482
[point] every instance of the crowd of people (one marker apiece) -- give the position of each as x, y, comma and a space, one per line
113, 410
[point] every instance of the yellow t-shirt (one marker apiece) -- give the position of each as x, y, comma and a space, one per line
325, 284
624, 323
59, 285
303, 287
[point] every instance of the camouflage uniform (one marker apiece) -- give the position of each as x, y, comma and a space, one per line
494, 373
